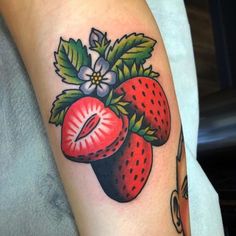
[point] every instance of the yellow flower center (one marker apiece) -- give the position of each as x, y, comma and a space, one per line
96, 78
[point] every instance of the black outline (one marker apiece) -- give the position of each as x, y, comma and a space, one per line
106, 41
77, 138
116, 194
53, 105
145, 123
175, 205
55, 62
125, 37
184, 187
77, 159
107, 52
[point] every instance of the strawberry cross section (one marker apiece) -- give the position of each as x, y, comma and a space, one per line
117, 113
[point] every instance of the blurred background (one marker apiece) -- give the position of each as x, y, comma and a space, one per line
213, 27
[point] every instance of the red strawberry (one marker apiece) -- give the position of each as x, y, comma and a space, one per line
91, 131
123, 175
147, 97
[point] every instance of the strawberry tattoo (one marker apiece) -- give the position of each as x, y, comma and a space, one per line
124, 174
117, 112
146, 96
86, 128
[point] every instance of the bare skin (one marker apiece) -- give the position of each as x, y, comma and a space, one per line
36, 27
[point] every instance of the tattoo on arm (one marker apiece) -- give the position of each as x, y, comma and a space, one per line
116, 115
184, 188
179, 196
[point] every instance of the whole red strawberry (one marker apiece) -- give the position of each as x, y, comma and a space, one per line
147, 97
123, 175
91, 131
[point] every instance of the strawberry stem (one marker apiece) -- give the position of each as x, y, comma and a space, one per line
137, 126
115, 103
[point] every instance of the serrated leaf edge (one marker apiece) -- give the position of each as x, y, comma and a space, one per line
57, 65
58, 97
128, 72
113, 60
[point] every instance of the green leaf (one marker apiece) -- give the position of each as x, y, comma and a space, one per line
126, 71
134, 71
140, 72
147, 71
116, 104
121, 76
123, 103
62, 103
154, 74
132, 121
121, 109
149, 138
143, 131
116, 100
151, 132
101, 47
137, 127
98, 41
108, 101
114, 108
138, 124
69, 57
130, 48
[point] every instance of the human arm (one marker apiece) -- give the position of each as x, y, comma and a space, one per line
37, 32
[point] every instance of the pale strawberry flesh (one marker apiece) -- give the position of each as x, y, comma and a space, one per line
92, 131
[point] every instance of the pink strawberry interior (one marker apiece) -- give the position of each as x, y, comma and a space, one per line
89, 128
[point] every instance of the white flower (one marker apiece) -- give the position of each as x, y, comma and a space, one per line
98, 79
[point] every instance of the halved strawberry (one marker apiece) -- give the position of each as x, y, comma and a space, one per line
91, 131
147, 97
123, 175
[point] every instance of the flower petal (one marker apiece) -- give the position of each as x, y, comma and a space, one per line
102, 89
84, 73
109, 78
95, 36
101, 65
87, 87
